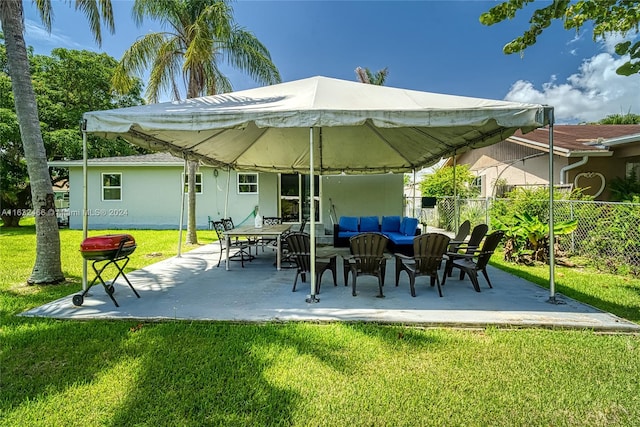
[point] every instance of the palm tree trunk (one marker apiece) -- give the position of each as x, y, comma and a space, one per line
47, 268
192, 236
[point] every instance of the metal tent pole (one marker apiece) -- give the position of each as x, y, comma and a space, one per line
414, 193
226, 196
184, 175
552, 257
455, 195
85, 202
312, 221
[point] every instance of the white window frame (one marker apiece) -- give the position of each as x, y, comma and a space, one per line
110, 187
477, 182
185, 182
247, 184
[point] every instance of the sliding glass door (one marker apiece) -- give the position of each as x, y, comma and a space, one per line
294, 197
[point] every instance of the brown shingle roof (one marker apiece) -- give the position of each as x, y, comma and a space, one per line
580, 137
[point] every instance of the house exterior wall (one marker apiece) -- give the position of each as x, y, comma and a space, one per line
511, 163
239, 206
150, 197
610, 167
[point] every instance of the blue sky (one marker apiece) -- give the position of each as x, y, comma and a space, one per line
433, 46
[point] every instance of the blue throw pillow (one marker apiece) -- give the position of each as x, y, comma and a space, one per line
391, 224
369, 223
348, 223
410, 226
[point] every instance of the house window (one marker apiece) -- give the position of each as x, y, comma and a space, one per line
633, 171
111, 186
185, 179
247, 183
476, 185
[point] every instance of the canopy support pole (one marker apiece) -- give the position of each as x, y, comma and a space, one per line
312, 221
85, 203
414, 194
184, 175
455, 195
226, 196
552, 256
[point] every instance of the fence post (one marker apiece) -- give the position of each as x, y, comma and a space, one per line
486, 210
573, 233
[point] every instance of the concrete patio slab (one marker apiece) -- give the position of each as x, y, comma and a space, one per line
192, 288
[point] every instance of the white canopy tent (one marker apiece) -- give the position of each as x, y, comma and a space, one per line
320, 125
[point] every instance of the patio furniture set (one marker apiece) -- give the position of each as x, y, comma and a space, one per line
367, 252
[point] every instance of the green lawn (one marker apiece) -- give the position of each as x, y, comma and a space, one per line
122, 373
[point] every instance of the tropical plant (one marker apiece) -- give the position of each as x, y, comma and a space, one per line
624, 189
47, 268
605, 17
621, 119
364, 75
527, 238
200, 34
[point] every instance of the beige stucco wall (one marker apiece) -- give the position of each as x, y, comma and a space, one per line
521, 171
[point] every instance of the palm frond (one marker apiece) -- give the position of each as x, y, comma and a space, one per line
244, 51
164, 71
216, 81
97, 11
137, 59
44, 9
161, 10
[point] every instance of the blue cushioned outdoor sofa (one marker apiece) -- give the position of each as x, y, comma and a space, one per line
400, 231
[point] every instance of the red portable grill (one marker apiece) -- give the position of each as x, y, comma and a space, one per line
112, 248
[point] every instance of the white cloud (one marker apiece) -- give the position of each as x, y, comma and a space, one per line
37, 35
589, 95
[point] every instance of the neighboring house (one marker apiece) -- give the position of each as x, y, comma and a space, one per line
585, 156
145, 192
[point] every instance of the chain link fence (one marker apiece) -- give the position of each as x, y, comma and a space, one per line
608, 232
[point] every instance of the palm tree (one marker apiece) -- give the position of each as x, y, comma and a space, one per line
200, 34
47, 268
365, 75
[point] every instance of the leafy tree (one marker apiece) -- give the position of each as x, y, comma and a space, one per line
606, 16
47, 268
441, 182
621, 119
15, 193
66, 84
365, 75
200, 34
